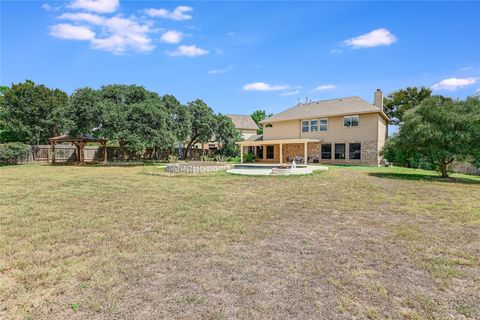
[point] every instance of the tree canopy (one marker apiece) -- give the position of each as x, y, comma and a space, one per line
83, 114
438, 131
31, 113
259, 115
227, 135
397, 103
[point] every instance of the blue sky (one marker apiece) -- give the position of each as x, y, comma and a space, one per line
242, 56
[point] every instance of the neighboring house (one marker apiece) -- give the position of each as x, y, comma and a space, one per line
337, 131
243, 123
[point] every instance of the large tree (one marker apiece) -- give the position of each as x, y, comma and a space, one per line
203, 125
180, 117
83, 114
259, 115
397, 103
31, 113
136, 118
438, 131
227, 135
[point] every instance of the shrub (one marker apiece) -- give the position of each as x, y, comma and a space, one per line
219, 158
249, 157
233, 159
13, 152
172, 158
206, 158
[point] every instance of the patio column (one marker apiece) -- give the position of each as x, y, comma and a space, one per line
281, 153
305, 153
241, 153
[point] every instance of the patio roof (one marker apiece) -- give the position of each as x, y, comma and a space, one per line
276, 141
79, 138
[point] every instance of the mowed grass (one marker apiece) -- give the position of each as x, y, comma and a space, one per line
97, 242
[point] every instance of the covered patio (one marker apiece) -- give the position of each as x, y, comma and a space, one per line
277, 151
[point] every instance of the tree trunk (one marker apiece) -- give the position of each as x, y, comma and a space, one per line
443, 169
186, 153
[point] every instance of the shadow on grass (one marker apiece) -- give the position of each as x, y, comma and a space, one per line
423, 177
107, 164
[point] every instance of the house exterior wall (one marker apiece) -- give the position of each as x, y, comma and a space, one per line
247, 133
382, 132
371, 134
282, 130
366, 130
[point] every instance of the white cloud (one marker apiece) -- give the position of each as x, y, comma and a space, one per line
336, 51
231, 33
466, 68
172, 36
83, 17
119, 35
219, 71
71, 32
324, 87
179, 13
375, 38
100, 6
452, 84
290, 93
188, 51
50, 8
262, 86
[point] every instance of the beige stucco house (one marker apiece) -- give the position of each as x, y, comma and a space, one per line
337, 131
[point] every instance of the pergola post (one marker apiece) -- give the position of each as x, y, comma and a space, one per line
281, 153
81, 153
241, 153
305, 153
104, 151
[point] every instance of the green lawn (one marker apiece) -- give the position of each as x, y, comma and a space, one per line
94, 242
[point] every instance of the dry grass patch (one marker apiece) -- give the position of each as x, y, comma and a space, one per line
134, 242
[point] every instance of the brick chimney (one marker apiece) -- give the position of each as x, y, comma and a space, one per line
378, 99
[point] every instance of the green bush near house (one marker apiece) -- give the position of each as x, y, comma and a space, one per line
12, 153
233, 159
249, 157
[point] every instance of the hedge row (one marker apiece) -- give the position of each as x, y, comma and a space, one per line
13, 153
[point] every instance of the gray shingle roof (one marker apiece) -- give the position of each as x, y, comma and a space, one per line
243, 121
325, 108
257, 137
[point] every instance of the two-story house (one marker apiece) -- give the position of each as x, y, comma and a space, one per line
337, 131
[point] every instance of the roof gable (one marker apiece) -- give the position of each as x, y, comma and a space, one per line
243, 121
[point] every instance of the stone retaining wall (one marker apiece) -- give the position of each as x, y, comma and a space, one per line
196, 168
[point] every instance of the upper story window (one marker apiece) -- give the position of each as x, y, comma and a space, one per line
324, 124
351, 121
305, 126
315, 125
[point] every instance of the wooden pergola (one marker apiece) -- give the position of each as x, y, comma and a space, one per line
80, 142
